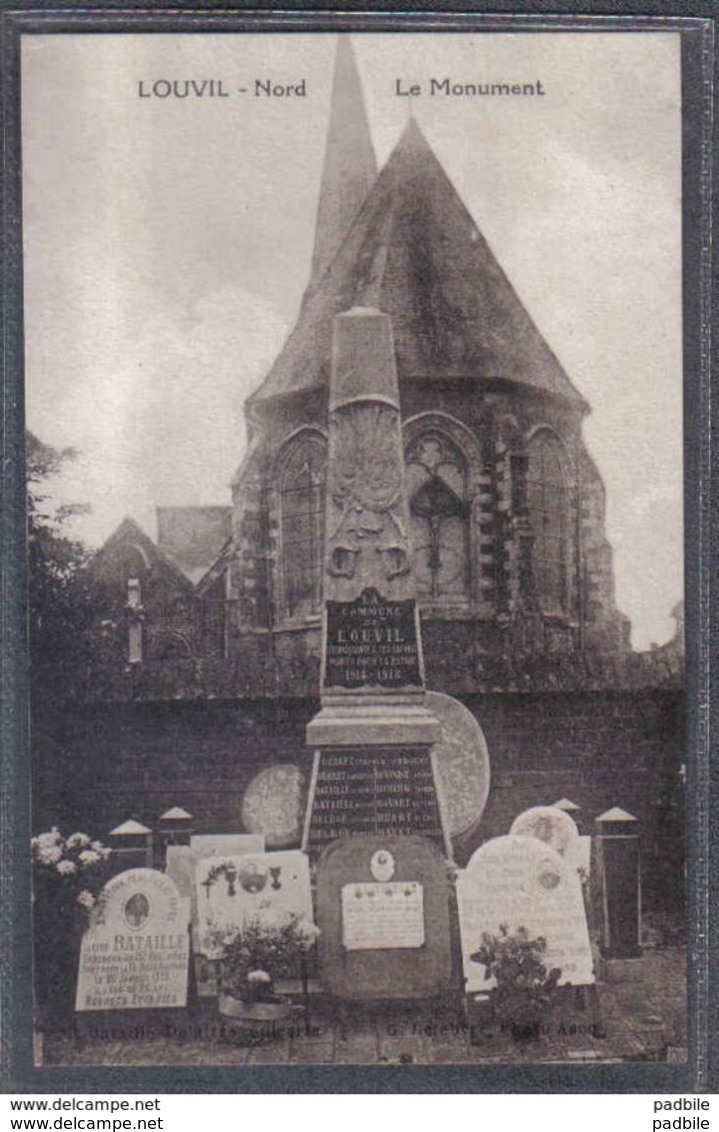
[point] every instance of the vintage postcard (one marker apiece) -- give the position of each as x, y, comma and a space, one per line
354, 381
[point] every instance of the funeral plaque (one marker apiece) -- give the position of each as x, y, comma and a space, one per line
461, 763
273, 803
270, 889
524, 883
135, 952
181, 862
383, 915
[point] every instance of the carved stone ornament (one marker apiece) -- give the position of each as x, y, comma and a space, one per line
366, 477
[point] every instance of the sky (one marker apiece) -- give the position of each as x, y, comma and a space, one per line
167, 243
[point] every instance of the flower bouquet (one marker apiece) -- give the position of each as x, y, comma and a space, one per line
524, 987
67, 877
254, 959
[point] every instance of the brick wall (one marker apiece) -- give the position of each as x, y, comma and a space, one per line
97, 765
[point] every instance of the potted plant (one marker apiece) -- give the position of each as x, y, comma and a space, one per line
524, 987
67, 877
253, 960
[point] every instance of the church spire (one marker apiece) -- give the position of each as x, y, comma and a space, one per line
350, 169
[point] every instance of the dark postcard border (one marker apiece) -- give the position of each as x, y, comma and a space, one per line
695, 23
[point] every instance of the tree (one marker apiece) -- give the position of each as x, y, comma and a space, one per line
58, 614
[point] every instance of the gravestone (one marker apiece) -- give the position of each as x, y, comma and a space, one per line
555, 826
383, 915
372, 737
547, 824
135, 952
226, 844
273, 805
180, 866
270, 889
523, 882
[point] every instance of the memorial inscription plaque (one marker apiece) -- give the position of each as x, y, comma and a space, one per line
371, 642
461, 762
135, 953
386, 791
382, 915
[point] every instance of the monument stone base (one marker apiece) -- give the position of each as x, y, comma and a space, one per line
373, 723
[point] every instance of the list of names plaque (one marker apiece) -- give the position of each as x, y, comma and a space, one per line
385, 791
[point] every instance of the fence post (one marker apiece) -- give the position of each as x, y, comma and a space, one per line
573, 810
617, 837
131, 844
174, 828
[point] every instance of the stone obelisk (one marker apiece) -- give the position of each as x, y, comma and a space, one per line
372, 737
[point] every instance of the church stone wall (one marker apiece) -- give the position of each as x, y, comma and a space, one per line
492, 425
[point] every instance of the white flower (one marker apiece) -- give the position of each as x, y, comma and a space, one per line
85, 899
307, 930
258, 976
46, 840
49, 854
78, 841
89, 857
66, 868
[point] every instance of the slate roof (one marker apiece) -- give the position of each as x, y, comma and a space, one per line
350, 168
415, 253
193, 537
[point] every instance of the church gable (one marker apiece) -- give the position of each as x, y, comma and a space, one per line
147, 610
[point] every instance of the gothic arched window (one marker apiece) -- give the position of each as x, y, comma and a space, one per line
170, 645
302, 513
548, 510
439, 517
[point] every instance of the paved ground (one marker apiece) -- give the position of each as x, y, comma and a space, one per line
643, 1020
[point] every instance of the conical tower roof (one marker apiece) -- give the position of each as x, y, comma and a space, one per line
415, 253
350, 167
